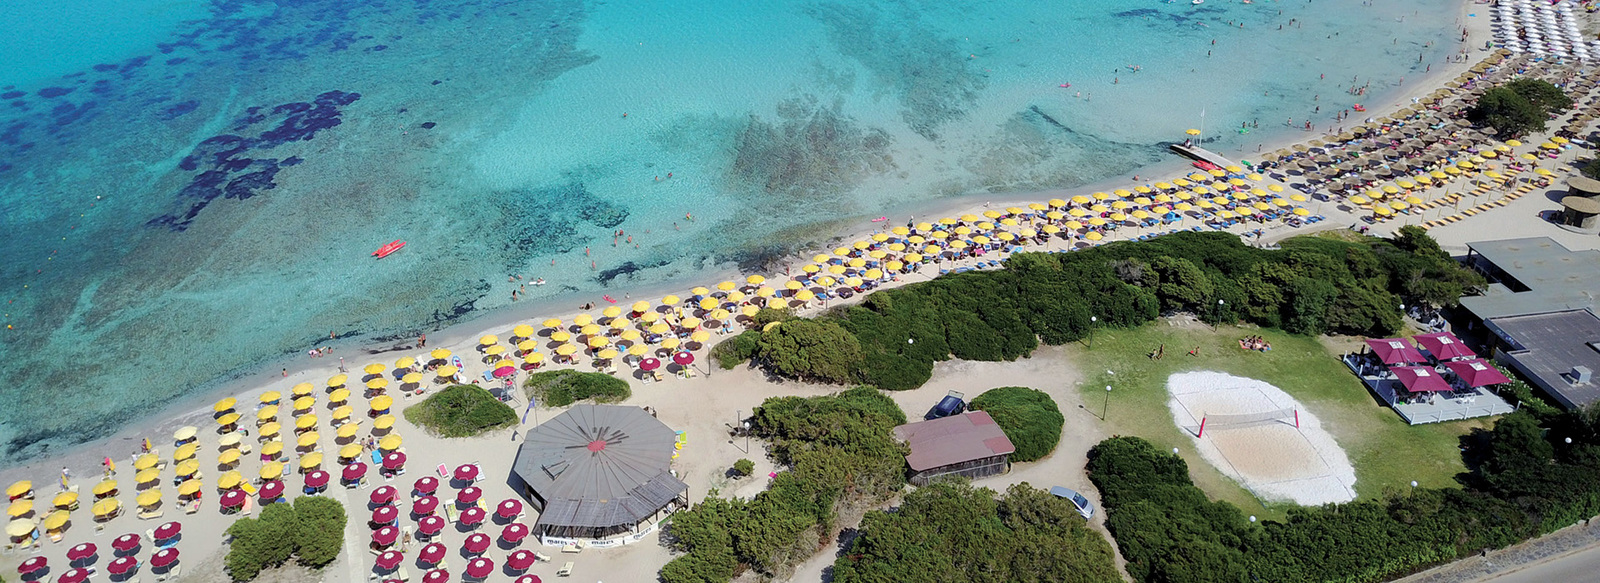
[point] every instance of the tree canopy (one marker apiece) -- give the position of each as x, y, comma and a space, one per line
311, 528
559, 388
1029, 418
1508, 112
461, 411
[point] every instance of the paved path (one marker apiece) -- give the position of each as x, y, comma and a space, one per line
1570, 554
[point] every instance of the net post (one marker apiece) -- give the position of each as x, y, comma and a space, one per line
1202, 432
1296, 418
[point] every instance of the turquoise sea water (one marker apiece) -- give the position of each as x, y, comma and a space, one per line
189, 189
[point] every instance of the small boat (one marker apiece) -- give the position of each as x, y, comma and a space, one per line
1197, 1
389, 249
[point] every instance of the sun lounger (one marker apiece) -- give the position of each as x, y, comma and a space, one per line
152, 514
572, 548
566, 570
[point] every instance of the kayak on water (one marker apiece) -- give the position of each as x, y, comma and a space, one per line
389, 249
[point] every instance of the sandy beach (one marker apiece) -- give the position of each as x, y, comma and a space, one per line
703, 406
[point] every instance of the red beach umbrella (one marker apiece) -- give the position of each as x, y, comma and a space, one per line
477, 543
164, 557
122, 565
168, 530
272, 490
385, 515
521, 560
1477, 372
32, 565
234, 498
683, 358
473, 516
430, 525
649, 364
508, 508
479, 568
126, 542
354, 471
466, 472
433, 553
424, 505
394, 461
514, 532
74, 576
436, 576
82, 551
425, 485
384, 495
386, 536
317, 479
468, 495
528, 579
504, 372
389, 560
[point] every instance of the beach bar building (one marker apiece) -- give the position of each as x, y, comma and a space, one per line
970, 444
599, 475
1443, 380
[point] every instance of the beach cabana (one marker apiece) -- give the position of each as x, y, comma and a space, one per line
1477, 372
1395, 351
1420, 379
1444, 346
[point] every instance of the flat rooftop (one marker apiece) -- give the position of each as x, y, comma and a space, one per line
1547, 346
1538, 275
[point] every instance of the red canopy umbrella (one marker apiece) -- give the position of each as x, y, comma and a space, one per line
425, 485
389, 560
528, 579
122, 565
468, 495
354, 471
126, 542
466, 472
514, 532
1395, 351
394, 461
386, 536
479, 568
473, 516
1418, 379
164, 557
1444, 345
1477, 372
32, 565
504, 372
649, 364
436, 576
433, 553
168, 530
271, 490
385, 515
74, 576
82, 551
317, 479
430, 525
477, 543
424, 505
683, 358
521, 560
384, 495
508, 508
233, 498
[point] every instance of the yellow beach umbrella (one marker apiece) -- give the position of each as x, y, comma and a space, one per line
224, 405
405, 362
535, 358
1301, 212
446, 372
229, 457
755, 280
598, 341
304, 403
341, 395
562, 336
228, 419
348, 430
185, 433
19, 508
390, 442
149, 498
189, 488
638, 350
145, 461
567, 349
1094, 236
488, 340
308, 439
690, 322
337, 380
271, 396
524, 346
273, 470
185, 451
383, 422
669, 342
106, 507
20, 528
1382, 210
105, 486
375, 368
552, 323
382, 403
230, 480
439, 354
270, 429
56, 520
700, 336
188, 468
302, 390
64, 499
305, 422
378, 384
607, 354
351, 451
311, 460
611, 312
272, 448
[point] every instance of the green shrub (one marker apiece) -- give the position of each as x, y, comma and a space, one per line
734, 351
311, 529
559, 388
1029, 418
813, 350
744, 467
461, 411
320, 530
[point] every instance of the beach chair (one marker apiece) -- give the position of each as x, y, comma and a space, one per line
572, 548
152, 514
565, 571
444, 471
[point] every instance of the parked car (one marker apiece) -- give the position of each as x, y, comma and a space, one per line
951, 404
1085, 507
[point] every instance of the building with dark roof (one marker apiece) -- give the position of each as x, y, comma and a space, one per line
970, 444
1535, 275
1558, 351
597, 471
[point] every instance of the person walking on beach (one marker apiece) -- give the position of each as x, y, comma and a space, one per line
422, 340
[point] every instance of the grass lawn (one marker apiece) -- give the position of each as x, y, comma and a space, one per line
1386, 452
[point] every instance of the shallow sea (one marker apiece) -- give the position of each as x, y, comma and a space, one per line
189, 188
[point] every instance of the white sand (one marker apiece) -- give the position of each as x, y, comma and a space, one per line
1273, 459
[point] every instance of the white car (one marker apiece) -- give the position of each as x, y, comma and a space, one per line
1085, 507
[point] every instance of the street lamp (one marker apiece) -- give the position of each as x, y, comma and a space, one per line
1216, 317
1092, 321
1107, 404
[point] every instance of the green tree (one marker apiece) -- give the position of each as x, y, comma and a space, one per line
559, 388
1178, 282
1029, 418
744, 467
1508, 112
1591, 169
734, 351
319, 530
1541, 93
461, 411
819, 351
261, 543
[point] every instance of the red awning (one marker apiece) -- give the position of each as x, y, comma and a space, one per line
1395, 351
1420, 379
1477, 372
1444, 346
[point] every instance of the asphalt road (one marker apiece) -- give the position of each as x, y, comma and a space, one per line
1583, 565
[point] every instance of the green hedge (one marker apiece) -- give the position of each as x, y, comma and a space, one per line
311, 529
559, 388
1311, 286
1029, 418
1526, 480
951, 532
461, 411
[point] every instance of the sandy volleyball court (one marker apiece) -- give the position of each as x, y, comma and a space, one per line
1270, 457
